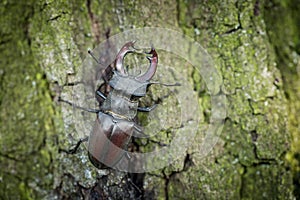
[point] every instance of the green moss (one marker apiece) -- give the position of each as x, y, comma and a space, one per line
254, 132
26, 109
284, 32
259, 181
208, 181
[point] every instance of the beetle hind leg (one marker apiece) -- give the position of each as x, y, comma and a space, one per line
74, 149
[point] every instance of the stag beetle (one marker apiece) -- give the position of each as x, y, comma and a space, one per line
114, 125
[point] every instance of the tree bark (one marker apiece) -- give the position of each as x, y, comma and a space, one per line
255, 47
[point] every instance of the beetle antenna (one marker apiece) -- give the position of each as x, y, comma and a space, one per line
166, 84
94, 57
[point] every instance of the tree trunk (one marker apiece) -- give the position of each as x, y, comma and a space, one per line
255, 47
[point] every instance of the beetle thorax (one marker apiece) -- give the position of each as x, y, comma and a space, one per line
119, 105
119, 102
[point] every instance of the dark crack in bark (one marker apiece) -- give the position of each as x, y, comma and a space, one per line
95, 23
167, 177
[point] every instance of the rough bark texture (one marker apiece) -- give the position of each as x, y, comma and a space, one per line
255, 45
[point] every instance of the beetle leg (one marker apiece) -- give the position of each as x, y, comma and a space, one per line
73, 150
100, 94
146, 109
165, 84
138, 132
135, 187
79, 107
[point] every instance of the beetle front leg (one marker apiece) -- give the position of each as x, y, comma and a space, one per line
100, 94
146, 109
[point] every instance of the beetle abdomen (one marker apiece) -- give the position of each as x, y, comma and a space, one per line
109, 139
